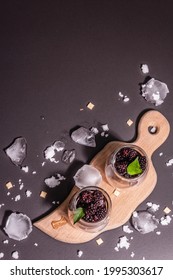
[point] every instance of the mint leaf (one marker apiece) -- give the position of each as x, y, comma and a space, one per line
134, 167
78, 214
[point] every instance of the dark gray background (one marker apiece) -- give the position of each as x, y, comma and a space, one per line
55, 57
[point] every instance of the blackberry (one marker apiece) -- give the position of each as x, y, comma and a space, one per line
121, 167
133, 154
142, 162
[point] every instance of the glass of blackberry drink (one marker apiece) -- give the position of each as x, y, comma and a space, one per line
128, 165
89, 209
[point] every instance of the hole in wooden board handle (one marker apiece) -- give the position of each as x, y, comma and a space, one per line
151, 141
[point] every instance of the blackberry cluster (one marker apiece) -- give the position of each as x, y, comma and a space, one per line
94, 204
124, 157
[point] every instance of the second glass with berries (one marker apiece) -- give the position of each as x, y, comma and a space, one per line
127, 166
89, 209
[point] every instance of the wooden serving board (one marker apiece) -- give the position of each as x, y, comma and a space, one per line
56, 224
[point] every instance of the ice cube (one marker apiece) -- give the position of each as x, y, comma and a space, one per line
68, 156
18, 226
86, 176
144, 222
84, 137
17, 150
155, 91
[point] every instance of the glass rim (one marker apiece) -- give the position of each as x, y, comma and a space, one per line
135, 147
82, 222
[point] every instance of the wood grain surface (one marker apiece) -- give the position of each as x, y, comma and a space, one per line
129, 198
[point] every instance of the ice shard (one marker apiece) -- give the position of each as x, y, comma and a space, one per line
84, 137
155, 91
17, 150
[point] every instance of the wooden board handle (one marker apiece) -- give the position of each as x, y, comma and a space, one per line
148, 141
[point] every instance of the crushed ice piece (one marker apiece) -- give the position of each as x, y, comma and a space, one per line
79, 253
18, 226
34, 172
165, 220
99, 241
129, 122
120, 94
90, 105
1, 205
102, 134
28, 193
86, 176
9, 185
126, 99
123, 242
21, 184
17, 197
135, 214
160, 154
158, 232
8, 193
1, 255
152, 207
25, 169
43, 163
17, 150
49, 152
36, 244
167, 210
127, 229
15, 255
52, 182
132, 255
169, 162
144, 222
94, 130
5, 241
43, 194
105, 127
42, 118
59, 146
144, 68
84, 137
68, 156
155, 91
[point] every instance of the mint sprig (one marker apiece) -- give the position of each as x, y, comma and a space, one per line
134, 167
78, 214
